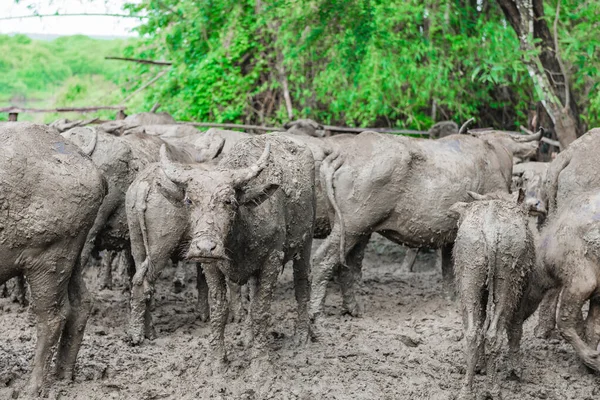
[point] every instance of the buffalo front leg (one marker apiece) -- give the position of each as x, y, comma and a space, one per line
547, 314
236, 306
569, 319
260, 308
351, 274
80, 302
217, 289
202, 307
326, 259
180, 277
448, 271
252, 286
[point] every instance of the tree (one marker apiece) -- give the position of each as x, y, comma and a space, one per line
544, 63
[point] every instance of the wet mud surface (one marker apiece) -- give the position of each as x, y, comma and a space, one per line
408, 345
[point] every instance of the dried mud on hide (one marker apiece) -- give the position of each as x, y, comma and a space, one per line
407, 346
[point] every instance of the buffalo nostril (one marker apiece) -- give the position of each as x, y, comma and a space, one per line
206, 246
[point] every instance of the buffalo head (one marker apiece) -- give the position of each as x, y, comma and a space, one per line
214, 197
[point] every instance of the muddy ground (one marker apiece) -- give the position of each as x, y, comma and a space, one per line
407, 346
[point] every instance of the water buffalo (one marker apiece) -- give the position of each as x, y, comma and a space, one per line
494, 255
569, 256
158, 225
402, 188
248, 217
442, 129
119, 159
521, 147
573, 172
51, 194
150, 118
305, 127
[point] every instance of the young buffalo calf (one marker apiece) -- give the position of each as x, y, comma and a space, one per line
494, 255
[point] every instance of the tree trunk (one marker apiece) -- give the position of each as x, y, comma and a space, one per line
544, 65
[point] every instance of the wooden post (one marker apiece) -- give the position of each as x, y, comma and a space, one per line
13, 116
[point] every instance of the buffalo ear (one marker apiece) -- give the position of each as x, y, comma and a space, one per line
459, 208
257, 195
521, 196
171, 191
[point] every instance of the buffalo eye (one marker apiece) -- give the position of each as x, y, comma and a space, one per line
187, 201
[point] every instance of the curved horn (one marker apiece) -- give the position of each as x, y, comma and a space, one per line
530, 138
476, 196
91, 146
173, 171
463, 128
242, 176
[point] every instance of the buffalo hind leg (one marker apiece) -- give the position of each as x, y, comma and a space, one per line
473, 319
351, 274
51, 307
106, 270
80, 302
569, 319
547, 314
410, 257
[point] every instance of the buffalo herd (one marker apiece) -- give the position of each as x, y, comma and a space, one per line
514, 235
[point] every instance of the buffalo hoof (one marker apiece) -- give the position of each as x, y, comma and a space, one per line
203, 315
151, 332
466, 394
591, 359
237, 315
544, 332
302, 337
218, 366
135, 336
33, 390
354, 309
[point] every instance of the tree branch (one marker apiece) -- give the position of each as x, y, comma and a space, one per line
563, 70
140, 61
18, 110
72, 15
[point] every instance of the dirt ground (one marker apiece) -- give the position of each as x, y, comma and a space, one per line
407, 346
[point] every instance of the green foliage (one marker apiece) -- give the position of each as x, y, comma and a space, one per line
67, 71
355, 62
